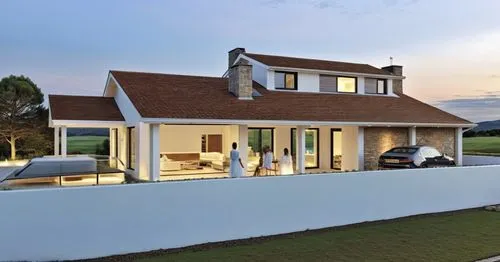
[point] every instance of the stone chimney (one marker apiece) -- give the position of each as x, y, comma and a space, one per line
233, 54
397, 84
240, 79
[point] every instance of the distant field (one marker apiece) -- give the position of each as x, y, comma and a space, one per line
84, 144
486, 145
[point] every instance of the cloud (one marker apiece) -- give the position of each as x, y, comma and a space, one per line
474, 108
494, 76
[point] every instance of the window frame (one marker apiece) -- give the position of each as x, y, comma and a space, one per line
295, 76
355, 84
129, 151
376, 86
292, 141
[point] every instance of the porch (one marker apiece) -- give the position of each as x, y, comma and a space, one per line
183, 151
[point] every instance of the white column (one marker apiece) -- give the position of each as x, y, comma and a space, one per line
122, 147
412, 136
243, 146
142, 156
361, 148
154, 170
458, 146
56, 141
64, 141
301, 149
112, 143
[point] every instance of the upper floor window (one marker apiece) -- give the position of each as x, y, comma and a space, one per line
375, 86
339, 84
346, 84
285, 80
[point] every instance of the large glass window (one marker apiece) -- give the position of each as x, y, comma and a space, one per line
375, 86
336, 146
285, 80
258, 138
312, 147
131, 147
346, 84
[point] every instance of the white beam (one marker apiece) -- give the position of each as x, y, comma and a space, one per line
301, 149
412, 136
243, 146
458, 146
154, 170
361, 148
64, 141
56, 141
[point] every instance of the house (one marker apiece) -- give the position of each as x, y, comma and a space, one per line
331, 115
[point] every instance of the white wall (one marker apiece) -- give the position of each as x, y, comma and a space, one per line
350, 148
307, 82
120, 219
187, 138
126, 107
281, 140
259, 73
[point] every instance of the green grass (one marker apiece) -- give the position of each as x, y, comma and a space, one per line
84, 144
459, 236
482, 145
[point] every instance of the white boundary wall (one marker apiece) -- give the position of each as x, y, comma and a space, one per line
86, 222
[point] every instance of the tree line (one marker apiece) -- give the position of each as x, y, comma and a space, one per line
472, 133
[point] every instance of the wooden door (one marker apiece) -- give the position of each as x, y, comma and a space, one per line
214, 143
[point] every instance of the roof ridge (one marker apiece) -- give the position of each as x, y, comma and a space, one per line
165, 74
78, 96
317, 59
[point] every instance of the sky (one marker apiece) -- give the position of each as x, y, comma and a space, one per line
450, 49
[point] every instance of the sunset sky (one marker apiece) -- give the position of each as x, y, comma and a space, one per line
450, 49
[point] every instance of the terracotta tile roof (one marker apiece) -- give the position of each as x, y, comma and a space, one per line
195, 97
63, 107
304, 63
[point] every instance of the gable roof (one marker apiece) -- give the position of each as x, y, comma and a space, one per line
65, 107
315, 64
197, 97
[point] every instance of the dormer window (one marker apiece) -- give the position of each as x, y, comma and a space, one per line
375, 86
285, 80
337, 84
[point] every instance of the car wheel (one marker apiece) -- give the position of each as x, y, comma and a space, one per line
423, 165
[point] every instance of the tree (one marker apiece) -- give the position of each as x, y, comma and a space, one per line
20, 104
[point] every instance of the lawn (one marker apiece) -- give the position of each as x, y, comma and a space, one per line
84, 144
485, 145
457, 236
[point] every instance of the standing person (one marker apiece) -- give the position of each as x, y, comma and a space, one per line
236, 167
268, 160
286, 163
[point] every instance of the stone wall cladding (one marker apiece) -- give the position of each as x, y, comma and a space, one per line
240, 81
380, 139
443, 139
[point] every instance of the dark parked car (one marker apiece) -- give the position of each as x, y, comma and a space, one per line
414, 157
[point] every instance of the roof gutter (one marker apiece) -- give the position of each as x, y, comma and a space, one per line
193, 121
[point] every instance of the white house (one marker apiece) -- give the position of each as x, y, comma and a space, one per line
331, 115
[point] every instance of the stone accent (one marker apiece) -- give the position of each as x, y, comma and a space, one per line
397, 84
240, 80
380, 139
443, 139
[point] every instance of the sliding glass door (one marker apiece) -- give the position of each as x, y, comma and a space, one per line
258, 138
336, 148
312, 147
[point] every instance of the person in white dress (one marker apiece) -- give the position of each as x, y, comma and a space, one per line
235, 166
267, 162
286, 163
